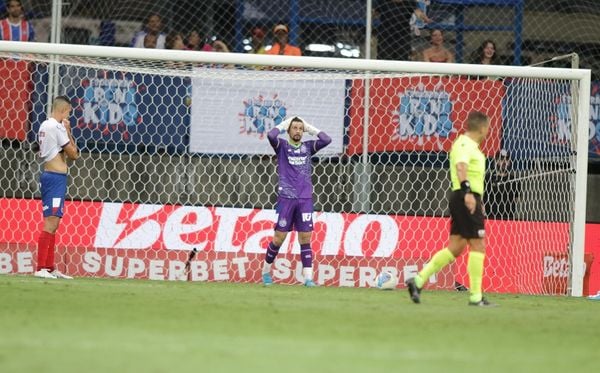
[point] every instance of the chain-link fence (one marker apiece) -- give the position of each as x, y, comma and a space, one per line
176, 155
144, 130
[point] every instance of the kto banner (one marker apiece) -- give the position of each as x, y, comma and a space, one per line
233, 113
152, 241
422, 113
543, 110
121, 108
537, 119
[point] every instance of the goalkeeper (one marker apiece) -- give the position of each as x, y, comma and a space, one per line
467, 171
294, 202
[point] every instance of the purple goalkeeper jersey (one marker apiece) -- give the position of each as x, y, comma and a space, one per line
294, 165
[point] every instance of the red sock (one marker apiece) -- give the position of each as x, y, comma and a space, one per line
43, 246
50, 257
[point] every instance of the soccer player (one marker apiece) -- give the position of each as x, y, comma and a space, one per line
294, 202
56, 145
467, 172
15, 27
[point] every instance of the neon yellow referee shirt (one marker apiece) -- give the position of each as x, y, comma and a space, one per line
466, 150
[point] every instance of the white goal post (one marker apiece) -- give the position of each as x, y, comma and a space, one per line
182, 175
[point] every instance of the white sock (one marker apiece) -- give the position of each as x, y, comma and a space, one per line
266, 267
307, 272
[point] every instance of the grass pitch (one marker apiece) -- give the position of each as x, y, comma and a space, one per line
101, 325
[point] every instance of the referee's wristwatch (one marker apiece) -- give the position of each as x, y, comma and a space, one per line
465, 186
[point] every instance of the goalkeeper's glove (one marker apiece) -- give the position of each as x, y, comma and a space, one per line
283, 126
309, 128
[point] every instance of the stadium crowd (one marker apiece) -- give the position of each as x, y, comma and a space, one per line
401, 29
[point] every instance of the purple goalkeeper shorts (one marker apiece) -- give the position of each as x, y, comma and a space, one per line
54, 188
294, 214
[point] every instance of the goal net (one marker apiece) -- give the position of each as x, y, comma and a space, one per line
175, 157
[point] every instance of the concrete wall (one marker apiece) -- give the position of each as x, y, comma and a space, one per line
251, 182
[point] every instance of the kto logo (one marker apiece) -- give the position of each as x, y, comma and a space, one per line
261, 114
424, 113
110, 101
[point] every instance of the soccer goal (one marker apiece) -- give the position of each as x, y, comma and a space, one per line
175, 157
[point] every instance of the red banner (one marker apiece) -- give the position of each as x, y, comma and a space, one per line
15, 90
592, 250
152, 241
423, 113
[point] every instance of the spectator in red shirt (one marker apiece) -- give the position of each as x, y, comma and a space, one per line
15, 27
281, 46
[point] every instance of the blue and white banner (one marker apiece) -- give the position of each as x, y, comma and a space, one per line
232, 114
594, 152
538, 119
122, 109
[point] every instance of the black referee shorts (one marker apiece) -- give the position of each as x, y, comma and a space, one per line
462, 222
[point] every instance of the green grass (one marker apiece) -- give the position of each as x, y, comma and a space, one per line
100, 325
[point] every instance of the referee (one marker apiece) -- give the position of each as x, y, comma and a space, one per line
467, 172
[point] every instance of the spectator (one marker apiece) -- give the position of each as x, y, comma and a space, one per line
150, 41
15, 27
393, 32
220, 46
174, 40
419, 17
195, 43
258, 41
437, 52
502, 189
152, 27
193, 40
281, 46
418, 21
486, 54
107, 33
